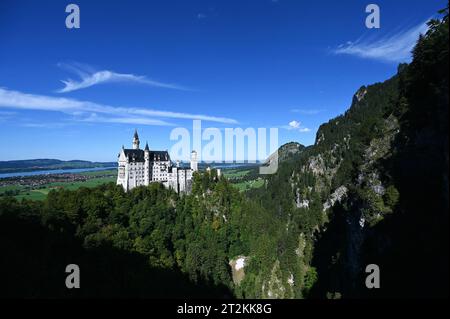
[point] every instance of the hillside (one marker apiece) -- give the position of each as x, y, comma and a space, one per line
373, 189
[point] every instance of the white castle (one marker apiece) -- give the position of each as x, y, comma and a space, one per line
138, 167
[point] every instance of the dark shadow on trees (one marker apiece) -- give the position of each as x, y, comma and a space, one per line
34, 260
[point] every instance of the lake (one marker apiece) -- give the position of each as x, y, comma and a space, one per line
55, 171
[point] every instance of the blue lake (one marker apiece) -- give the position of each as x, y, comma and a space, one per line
55, 171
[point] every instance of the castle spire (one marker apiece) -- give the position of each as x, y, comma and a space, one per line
136, 140
146, 147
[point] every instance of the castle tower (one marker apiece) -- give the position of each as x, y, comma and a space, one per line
136, 140
123, 171
146, 164
194, 162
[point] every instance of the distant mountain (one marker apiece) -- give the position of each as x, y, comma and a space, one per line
48, 164
286, 152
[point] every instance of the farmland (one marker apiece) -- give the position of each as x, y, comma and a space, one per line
37, 187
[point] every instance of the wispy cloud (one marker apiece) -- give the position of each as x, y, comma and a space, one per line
297, 126
5, 115
395, 47
89, 77
25, 101
94, 118
42, 125
307, 111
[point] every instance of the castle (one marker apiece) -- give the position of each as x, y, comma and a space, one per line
138, 167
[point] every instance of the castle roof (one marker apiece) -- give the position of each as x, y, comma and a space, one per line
138, 155
159, 156
134, 155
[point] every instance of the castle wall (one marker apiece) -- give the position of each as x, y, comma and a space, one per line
122, 174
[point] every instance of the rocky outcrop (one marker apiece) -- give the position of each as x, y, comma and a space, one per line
335, 197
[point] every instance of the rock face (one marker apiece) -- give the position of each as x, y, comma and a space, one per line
360, 94
335, 197
299, 202
274, 287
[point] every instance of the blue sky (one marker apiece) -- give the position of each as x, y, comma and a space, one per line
156, 65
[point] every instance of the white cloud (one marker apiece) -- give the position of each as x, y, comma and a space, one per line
297, 126
90, 78
294, 124
26, 101
390, 48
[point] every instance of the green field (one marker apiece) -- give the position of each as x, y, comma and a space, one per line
246, 185
242, 179
235, 173
41, 193
4, 189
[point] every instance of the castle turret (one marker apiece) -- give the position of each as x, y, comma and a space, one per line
136, 140
123, 172
194, 162
146, 164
